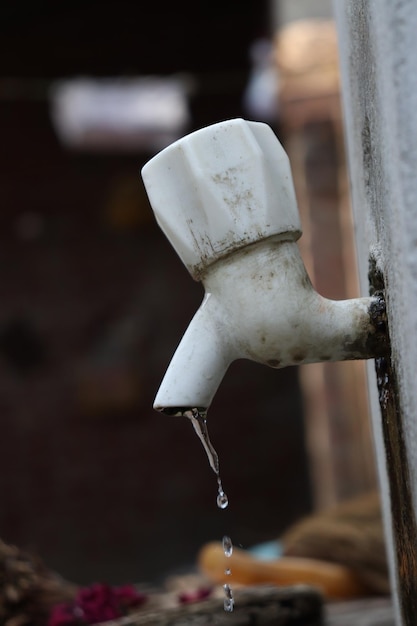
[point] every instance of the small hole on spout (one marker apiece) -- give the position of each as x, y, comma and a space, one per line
181, 410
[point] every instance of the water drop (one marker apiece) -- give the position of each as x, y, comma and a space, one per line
228, 571
227, 546
229, 602
222, 500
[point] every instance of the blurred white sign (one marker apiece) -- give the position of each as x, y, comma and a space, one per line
119, 114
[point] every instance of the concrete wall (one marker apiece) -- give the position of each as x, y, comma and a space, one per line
378, 49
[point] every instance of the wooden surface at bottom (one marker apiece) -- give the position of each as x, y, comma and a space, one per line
368, 612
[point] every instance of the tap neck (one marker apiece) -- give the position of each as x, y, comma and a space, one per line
273, 258
270, 309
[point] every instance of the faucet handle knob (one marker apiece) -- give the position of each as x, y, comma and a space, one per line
221, 188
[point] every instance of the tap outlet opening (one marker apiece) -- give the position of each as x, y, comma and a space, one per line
180, 411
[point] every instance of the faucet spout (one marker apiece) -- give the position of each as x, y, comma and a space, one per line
199, 363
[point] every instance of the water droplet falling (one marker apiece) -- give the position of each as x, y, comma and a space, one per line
228, 551
222, 499
227, 546
229, 602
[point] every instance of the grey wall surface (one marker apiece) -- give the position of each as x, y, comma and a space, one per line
378, 49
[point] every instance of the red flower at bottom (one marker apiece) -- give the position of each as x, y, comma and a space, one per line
187, 597
63, 615
128, 597
98, 603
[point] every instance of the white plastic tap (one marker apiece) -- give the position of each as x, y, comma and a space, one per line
224, 197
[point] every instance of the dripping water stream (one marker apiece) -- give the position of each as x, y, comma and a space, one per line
199, 422
228, 599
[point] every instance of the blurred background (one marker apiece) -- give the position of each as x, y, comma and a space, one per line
93, 300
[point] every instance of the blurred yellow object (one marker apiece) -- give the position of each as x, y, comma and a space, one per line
333, 580
306, 56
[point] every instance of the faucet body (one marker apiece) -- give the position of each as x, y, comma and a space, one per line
237, 233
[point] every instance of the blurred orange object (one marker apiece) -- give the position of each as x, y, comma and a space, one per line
333, 580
